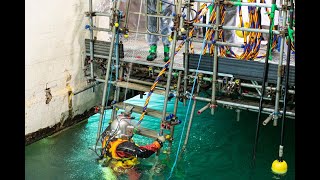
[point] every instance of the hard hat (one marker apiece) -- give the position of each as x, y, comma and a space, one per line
121, 127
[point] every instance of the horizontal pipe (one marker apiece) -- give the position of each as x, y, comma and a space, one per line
145, 69
264, 31
139, 32
218, 43
102, 14
244, 84
204, 108
210, 73
103, 81
251, 4
151, 15
243, 106
86, 88
240, 3
147, 63
147, 83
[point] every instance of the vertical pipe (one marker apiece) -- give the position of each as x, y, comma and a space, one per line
186, 53
191, 117
276, 107
127, 13
215, 62
91, 42
170, 70
147, 18
117, 89
286, 83
103, 103
176, 101
238, 114
265, 78
159, 9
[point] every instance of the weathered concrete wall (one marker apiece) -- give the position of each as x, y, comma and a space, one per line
54, 51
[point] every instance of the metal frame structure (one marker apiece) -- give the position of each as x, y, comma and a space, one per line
184, 74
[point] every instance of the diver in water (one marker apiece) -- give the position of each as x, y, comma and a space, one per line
118, 148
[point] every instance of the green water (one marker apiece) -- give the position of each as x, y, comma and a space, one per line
219, 148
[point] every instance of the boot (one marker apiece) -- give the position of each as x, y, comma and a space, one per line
166, 53
153, 53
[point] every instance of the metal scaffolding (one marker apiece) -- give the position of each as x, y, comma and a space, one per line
183, 29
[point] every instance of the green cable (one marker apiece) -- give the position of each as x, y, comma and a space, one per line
273, 8
290, 34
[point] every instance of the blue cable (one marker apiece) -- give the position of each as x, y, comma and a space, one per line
185, 120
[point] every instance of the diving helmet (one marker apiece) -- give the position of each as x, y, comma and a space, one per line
121, 127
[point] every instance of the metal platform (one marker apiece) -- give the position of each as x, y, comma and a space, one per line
136, 51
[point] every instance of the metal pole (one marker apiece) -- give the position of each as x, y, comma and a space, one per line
186, 53
152, 15
191, 118
265, 31
243, 106
86, 88
215, 62
103, 103
117, 89
91, 42
244, 84
176, 101
203, 109
147, 32
218, 43
286, 83
250, 30
101, 14
239, 3
158, 6
276, 108
127, 13
265, 78
170, 69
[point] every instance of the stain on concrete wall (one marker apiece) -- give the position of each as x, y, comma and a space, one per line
54, 46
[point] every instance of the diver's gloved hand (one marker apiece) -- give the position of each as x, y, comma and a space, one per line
161, 138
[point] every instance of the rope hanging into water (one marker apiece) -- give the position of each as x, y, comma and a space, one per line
187, 112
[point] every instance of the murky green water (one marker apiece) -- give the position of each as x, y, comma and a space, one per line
219, 148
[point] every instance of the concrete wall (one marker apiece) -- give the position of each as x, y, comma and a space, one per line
54, 54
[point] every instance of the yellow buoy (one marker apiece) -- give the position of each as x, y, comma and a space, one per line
240, 34
126, 35
116, 24
279, 167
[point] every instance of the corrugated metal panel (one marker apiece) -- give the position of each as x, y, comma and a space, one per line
248, 70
